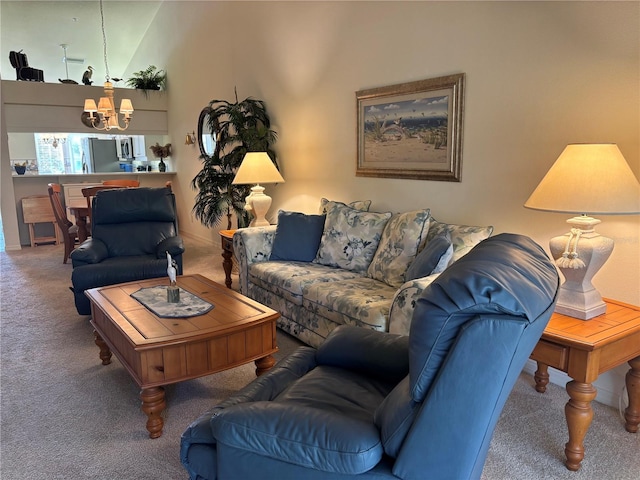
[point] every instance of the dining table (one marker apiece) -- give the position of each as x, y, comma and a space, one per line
80, 213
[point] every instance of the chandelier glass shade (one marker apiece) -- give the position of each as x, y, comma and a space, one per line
104, 115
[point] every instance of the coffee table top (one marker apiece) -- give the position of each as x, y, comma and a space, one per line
232, 311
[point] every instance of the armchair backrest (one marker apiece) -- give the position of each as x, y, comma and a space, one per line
471, 333
133, 221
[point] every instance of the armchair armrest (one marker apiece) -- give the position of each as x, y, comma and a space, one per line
371, 352
173, 245
90, 251
404, 302
251, 245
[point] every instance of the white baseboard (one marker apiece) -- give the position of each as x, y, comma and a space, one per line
609, 385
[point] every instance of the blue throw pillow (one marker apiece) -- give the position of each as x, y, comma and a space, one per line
297, 236
427, 260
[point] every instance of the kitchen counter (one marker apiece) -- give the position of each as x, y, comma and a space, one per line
91, 177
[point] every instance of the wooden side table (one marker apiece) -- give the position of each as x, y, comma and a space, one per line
584, 350
226, 236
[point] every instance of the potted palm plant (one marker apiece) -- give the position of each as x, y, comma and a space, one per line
237, 128
148, 79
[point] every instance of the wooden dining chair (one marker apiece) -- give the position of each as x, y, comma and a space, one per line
68, 229
122, 183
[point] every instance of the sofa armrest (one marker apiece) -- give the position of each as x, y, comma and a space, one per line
404, 302
370, 352
173, 245
90, 251
252, 245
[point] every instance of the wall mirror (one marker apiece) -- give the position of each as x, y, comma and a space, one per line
205, 137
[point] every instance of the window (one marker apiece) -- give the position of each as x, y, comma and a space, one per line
50, 158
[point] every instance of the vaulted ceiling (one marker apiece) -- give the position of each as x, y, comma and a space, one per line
38, 28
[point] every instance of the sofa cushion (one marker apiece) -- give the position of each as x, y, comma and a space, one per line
350, 238
463, 237
288, 279
362, 205
401, 238
428, 259
362, 302
297, 236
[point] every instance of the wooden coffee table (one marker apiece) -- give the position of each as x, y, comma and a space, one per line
160, 351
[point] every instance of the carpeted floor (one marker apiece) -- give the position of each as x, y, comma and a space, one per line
65, 416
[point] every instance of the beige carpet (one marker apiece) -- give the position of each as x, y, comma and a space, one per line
65, 416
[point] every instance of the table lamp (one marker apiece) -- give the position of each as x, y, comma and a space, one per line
585, 179
257, 167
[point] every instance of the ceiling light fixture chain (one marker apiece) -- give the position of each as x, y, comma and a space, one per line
104, 116
104, 43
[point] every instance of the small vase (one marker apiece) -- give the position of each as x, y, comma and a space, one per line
20, 169
162, 166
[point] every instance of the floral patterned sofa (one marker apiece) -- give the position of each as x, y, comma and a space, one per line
347, 266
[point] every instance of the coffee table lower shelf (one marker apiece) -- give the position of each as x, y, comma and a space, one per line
160, 351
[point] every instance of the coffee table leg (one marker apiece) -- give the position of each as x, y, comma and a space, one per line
632, 413
105, 353
541, 377
264, 364
153, 405
579, 414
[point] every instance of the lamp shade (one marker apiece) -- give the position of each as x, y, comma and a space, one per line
256, 168
588, 179
90, 105
104, 106
126, 106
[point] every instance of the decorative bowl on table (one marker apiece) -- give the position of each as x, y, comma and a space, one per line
20, 169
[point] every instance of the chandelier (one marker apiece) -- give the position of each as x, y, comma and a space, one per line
54, 141
105, 116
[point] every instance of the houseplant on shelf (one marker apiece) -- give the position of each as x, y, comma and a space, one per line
149, 79
161, 152
237, 128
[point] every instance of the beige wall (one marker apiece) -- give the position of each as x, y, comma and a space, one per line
539, 75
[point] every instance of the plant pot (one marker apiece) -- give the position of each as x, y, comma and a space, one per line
20, 169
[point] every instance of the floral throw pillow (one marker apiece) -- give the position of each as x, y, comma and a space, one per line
350, 237
401, 238
362, 205
463, 237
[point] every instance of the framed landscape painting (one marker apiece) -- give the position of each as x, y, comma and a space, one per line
412, 130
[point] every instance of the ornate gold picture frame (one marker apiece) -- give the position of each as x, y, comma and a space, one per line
412, 130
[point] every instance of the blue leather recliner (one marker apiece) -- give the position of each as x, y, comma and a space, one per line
372, 405
131, 231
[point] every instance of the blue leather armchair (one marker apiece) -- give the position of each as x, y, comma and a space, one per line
131, 231
368, 405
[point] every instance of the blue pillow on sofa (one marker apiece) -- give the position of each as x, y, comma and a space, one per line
427, 260
297, 237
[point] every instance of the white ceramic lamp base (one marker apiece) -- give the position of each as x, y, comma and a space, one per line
579, 255
258, 203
